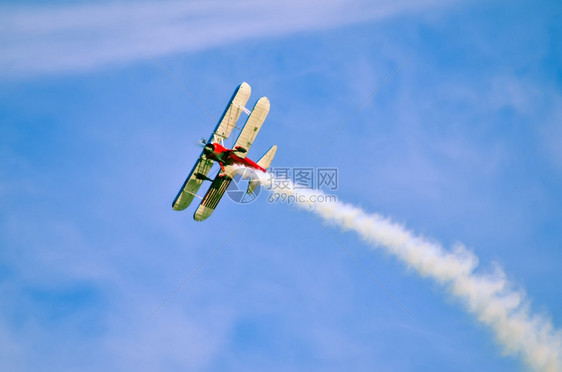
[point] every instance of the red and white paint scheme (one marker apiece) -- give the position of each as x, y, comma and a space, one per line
224, 156
215, 151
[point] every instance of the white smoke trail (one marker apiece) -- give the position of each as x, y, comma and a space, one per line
488, 296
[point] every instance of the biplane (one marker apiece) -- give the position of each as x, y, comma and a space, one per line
214, 150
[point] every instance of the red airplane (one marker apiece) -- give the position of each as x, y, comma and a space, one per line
222, 155
215, 151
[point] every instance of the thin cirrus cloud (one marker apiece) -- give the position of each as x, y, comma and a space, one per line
39, 40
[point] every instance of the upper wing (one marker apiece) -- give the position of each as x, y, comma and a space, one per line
212, 197
252, 126
232, 113
192, 183
222, 131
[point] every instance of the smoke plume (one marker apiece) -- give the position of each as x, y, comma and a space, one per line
488, 296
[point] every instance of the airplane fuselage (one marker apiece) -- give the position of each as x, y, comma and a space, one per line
224, 156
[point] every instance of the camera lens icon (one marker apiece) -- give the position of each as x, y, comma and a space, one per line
238, 189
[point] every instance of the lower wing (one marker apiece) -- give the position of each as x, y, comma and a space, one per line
212, 197
192, 184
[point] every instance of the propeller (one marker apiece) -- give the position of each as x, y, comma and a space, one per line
201, 143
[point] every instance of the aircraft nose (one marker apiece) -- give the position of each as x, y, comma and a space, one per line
208, 148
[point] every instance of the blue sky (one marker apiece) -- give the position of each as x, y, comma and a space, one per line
462, 144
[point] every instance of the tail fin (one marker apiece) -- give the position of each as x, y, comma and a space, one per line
264, 162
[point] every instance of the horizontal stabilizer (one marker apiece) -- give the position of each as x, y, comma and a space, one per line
201, 176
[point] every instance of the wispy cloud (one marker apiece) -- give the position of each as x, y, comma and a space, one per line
75, 38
